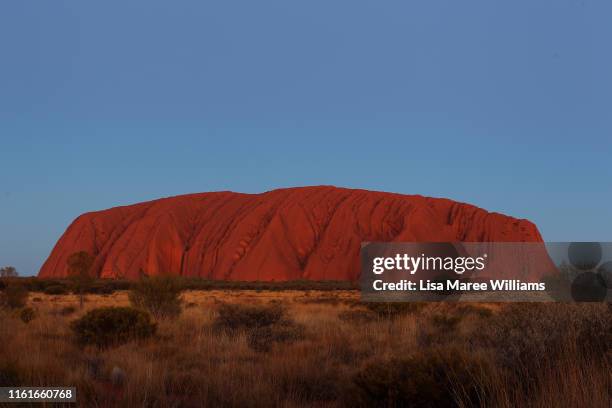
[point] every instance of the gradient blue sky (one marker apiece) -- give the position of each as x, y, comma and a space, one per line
506, 105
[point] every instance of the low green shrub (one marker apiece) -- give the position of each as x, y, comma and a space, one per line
527, 335
232, 316
467, 309
441, 377
110, 326
27, 314
262, 339
159, 295
264, 325
56, 290
67, 310
14, 296
437, 329
357, 316
394, 309
445, 322
9, 374
322, 300
101, 288
314, 385
106, 286
205, 284
37, 285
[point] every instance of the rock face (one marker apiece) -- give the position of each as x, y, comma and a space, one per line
298, 233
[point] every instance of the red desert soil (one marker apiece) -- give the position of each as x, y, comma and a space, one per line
297, 233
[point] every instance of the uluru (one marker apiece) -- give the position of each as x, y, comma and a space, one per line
310, 233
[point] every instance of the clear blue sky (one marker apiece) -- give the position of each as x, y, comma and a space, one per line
503, 104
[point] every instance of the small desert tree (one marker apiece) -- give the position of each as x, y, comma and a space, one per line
79, 271
8, 272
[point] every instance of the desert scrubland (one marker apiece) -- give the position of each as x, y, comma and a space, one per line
294, 348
